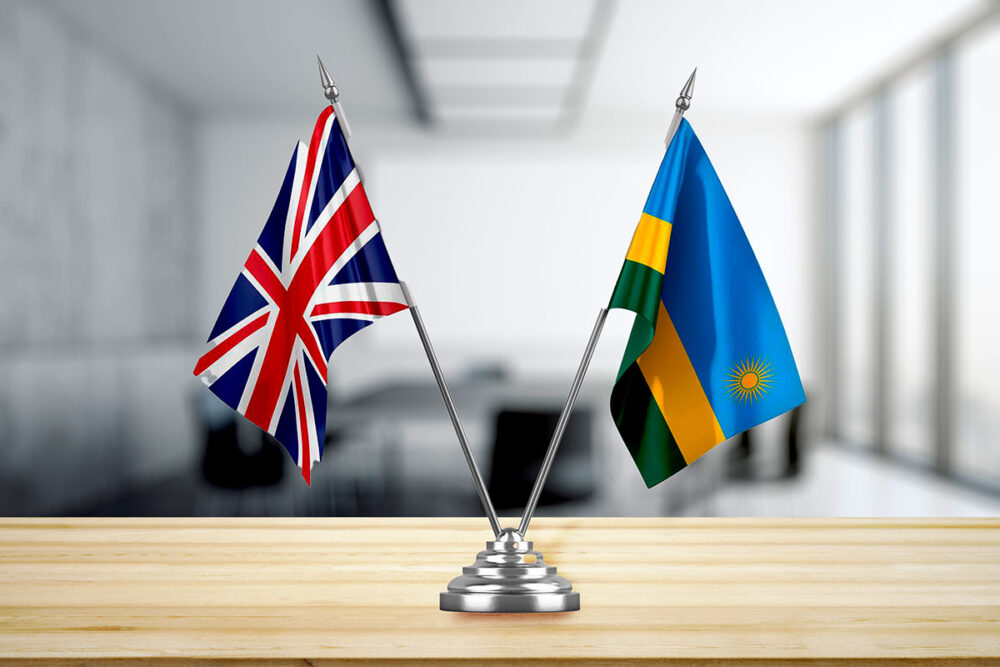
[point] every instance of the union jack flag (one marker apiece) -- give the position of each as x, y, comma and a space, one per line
318, 274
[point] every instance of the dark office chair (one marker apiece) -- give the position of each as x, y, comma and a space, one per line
793, 443
745, 453
522, 438
224, 464
741, 457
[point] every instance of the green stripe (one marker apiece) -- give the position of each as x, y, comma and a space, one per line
633, 407
643, 429
638, 289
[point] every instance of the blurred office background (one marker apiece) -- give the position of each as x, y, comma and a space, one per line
507, 149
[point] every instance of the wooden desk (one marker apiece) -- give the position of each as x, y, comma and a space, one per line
322, 590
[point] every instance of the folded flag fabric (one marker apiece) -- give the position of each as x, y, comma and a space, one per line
319, 273
707, 357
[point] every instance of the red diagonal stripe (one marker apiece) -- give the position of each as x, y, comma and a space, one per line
307, 177
347, 222
305, 460
262, 273
308, 338
363, 307
350, 219
219, 350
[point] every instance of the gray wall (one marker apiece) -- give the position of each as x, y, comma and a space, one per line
98, 262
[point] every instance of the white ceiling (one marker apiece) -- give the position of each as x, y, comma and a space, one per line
512, 19
249, 56
769, 56
512, 64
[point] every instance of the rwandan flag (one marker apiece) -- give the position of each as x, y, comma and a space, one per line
708, 357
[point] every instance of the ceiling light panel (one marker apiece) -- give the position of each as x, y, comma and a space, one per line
498, 115
521, 19
449, 72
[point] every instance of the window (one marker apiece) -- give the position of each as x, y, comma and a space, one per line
915, 178
976, 404
855, 281
910, 331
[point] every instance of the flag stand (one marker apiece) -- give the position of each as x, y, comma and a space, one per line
682, 104
501, 580
509, 576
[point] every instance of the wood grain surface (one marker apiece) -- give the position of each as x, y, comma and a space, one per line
319, 591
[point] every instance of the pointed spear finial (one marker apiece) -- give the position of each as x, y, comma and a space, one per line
683, 102
330, 90
332, 94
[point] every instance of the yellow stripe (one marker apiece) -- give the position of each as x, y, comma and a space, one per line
678, 392
649, 243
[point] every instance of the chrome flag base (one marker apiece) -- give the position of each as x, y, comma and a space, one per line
509, 577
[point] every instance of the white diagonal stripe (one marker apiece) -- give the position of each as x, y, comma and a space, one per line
311, 432
219, 339
317, 168
391, 292
338, 198
345, 316
349, 252
301, 153
229, 359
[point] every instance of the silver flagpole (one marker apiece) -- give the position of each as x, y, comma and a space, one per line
682, 104
484, 494
332, 94
557, 435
